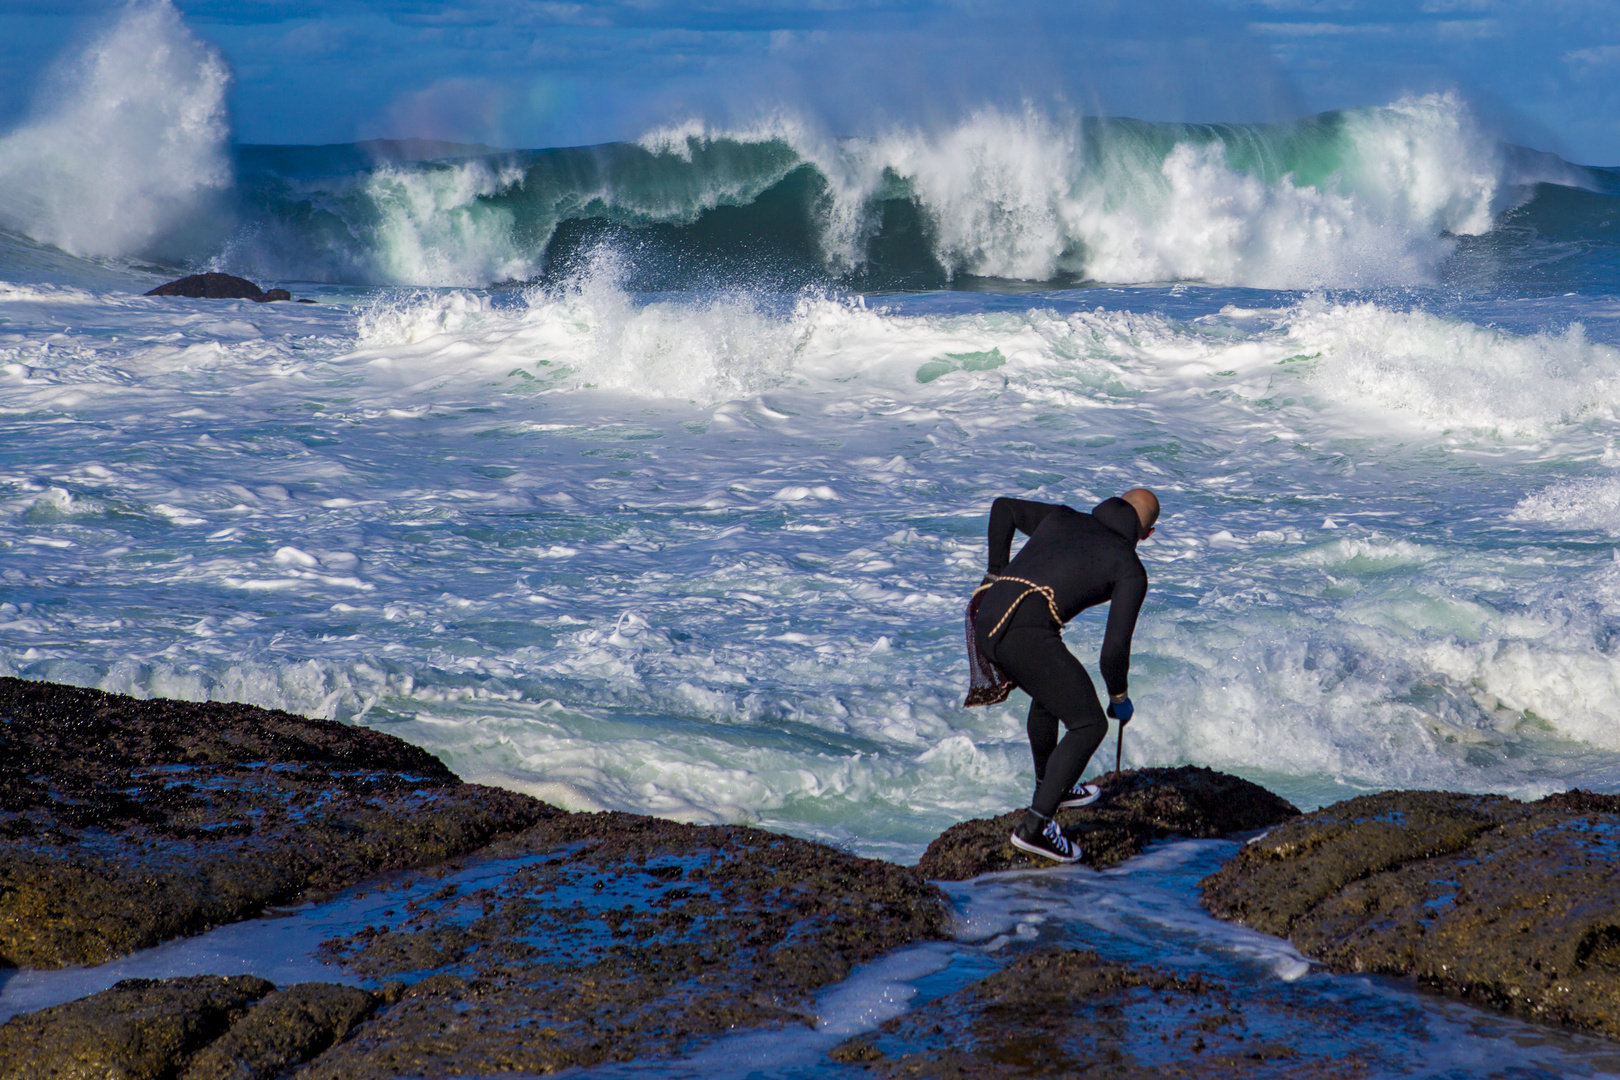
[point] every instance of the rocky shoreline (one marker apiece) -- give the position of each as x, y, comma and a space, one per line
1508, 904
514, 937
125, 823
599, 937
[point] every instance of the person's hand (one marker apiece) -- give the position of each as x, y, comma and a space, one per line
1122, 710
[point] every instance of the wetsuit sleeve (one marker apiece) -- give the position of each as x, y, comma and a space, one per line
1123, 608
1005, 516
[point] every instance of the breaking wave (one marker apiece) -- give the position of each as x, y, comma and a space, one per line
1359, 198
129, 155
127, 152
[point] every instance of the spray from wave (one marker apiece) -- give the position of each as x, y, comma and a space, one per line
128, 148
1357, 198
591, 333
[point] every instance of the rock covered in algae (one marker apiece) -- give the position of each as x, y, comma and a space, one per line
1068, 1014
141, 1029
282, 1030
1510, 904
124, 823
1137, 807
610, 937
582, 938
198, 1027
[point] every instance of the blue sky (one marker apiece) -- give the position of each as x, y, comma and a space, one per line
554, 72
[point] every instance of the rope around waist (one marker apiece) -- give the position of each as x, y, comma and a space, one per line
1044, 590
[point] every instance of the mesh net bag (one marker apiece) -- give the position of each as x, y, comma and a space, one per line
987, 684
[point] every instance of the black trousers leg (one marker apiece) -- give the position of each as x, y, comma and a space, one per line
1037, 660
1043, 736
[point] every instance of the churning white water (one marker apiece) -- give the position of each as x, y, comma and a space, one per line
706, 556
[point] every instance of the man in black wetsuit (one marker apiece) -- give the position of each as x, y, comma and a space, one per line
1071, 561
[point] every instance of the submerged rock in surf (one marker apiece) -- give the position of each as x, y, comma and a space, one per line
124, 823
1510, 904
1060, 1012
214, 286
1137, 807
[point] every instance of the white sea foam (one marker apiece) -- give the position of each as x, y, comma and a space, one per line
707, 557
1448, 374
590, 333
1592, 504
128, 147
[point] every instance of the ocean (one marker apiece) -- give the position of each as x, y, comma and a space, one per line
654, 476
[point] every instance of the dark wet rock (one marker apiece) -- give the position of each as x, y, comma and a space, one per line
609, 937
1069, 1013
1515, 905
283, 1030
124, 823
526, 938
140, 1029
1137, 807
213, 286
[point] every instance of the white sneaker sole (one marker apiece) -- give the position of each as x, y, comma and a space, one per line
1092, 794
1024, 845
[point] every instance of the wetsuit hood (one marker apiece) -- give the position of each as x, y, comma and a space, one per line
1119, 516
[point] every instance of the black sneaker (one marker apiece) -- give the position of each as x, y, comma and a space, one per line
1080, 795
1049, 843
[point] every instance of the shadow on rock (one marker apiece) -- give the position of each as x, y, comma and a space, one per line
201, 1027
1515, 905
284, 1029
1137, 807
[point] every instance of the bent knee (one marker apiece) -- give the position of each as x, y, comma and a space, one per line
1097, 720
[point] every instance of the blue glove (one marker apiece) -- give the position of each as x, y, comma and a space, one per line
1122, 710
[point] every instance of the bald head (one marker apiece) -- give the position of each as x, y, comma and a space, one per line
1146, 505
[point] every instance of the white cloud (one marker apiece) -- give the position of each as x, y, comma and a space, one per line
1600, 56
1468, 29
1322, 29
